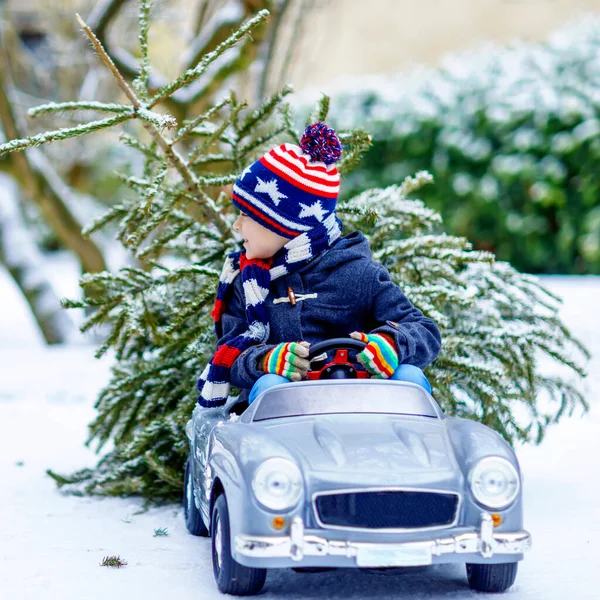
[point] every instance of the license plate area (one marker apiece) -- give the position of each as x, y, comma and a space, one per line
393, 557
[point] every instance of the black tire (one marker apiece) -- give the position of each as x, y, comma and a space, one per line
193, 518
491, 578
231, 577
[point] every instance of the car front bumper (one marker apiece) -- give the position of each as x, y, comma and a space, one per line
301, 549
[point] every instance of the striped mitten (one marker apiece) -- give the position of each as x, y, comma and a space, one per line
289, 360
379, 356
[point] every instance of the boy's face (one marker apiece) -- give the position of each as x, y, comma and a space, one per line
259, 241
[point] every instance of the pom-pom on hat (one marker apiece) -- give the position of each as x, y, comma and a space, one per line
291, 189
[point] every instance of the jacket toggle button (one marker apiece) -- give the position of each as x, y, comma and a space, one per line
292, 296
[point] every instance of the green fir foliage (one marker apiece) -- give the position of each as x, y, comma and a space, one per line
175, 220
113, 561
496, 323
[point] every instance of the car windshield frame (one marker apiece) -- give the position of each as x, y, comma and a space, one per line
343, 397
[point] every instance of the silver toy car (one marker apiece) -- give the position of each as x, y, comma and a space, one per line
351, 472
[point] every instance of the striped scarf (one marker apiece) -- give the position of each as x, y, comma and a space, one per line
257, 275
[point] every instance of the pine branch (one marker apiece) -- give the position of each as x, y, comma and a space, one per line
160, 121
56, 107
358, 142
218, 180
62, 134
207, 207
246, 150
184, 131
264, 112
287, 117
320, 111
195, 72
208, 159
148, 151
140, 84
215, 135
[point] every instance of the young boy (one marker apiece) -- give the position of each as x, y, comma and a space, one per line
299, 282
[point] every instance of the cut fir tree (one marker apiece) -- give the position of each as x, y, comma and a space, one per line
176, 223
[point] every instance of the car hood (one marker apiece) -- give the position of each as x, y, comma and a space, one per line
372, 445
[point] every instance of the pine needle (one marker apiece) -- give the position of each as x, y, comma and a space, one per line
113, 561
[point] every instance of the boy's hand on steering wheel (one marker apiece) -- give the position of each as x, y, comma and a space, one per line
379, 356
289, 360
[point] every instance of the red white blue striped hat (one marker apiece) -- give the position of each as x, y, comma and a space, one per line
291, 189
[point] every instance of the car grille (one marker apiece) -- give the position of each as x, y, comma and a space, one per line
387, 509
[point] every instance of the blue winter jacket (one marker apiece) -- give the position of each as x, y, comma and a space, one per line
353, 293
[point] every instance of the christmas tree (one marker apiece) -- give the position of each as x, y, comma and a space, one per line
176, 224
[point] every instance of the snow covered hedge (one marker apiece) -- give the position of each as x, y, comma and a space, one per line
512, 137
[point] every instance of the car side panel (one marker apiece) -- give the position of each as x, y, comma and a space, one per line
473, 441
235, 451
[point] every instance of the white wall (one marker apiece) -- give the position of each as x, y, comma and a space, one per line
385, 36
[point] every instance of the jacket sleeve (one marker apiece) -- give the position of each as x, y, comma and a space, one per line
417, 337
233, 323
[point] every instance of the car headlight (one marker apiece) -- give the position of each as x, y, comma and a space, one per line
277, 484
494, 482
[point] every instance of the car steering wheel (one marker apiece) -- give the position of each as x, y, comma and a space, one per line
340, 367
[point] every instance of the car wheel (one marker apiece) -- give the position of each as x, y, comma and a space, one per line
491, 578
231, 577
193, 518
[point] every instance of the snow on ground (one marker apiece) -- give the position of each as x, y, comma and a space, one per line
51, 545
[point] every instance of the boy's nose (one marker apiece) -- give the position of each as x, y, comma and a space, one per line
236, 225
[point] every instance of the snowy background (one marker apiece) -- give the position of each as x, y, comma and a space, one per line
51, 545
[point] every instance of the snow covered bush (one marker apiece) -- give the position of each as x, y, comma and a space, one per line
512, 137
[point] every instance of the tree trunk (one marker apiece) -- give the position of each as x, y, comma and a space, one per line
20, 255
45, 187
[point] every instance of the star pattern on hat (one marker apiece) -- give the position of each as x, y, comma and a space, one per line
270, 188
245, 171
313, 210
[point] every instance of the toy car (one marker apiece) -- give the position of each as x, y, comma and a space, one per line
347, 471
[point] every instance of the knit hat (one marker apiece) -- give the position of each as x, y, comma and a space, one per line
291, 189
